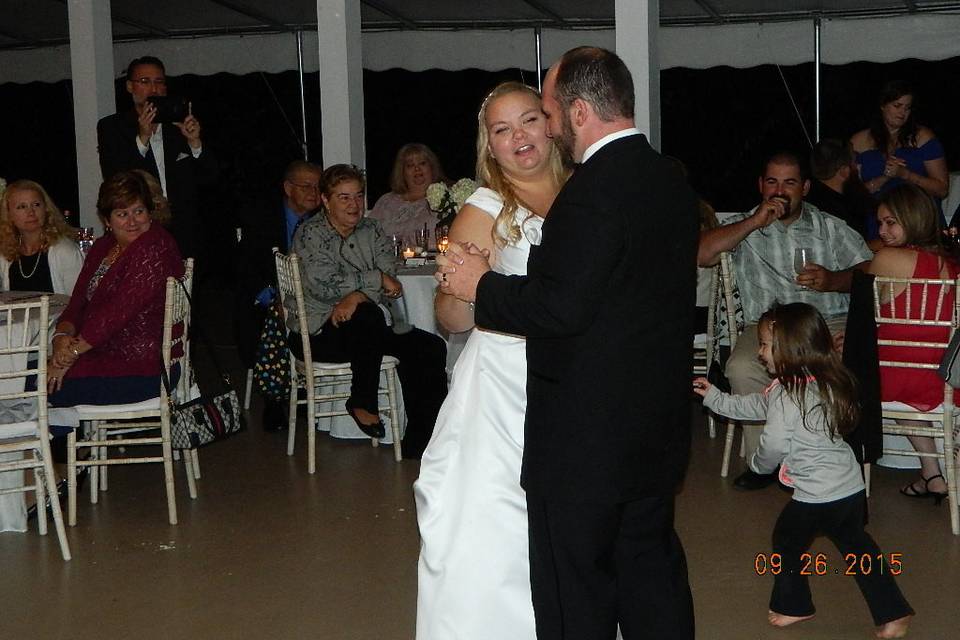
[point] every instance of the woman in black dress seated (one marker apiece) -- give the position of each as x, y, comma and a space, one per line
37, 247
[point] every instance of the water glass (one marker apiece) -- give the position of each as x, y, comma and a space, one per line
421, 239
443, 239
85, 239
397, 245
802, 256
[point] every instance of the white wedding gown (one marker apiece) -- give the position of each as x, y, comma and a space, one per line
473, 578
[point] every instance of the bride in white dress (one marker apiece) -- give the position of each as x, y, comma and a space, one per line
473, 579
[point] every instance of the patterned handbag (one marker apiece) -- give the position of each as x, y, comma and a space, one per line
272, 367
204, 420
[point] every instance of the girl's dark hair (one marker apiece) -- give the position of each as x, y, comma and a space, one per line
803, 349
907, 136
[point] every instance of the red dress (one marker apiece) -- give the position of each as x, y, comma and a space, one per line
919, 388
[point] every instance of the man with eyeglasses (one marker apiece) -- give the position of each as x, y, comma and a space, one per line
172, 152
763, 243
266, 224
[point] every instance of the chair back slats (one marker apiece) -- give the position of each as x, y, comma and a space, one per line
25, 344
925, 303
291, 285
176, 313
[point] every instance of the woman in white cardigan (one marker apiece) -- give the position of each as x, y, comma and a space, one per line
37, 247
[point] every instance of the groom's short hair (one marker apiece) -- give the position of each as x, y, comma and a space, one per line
599, 77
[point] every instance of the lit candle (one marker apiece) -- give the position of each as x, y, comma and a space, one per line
408, 252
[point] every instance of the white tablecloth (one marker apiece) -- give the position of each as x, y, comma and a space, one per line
13, 511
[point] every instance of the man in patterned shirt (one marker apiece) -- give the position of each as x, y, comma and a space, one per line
762, 243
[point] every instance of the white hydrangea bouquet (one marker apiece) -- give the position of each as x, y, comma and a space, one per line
446, 201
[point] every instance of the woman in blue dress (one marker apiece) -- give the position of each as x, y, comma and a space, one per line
895, 149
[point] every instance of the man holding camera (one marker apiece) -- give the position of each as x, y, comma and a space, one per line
159, 135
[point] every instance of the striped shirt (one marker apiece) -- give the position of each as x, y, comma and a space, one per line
763, 261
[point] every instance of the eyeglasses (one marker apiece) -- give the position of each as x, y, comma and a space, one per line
306, 186
146, 82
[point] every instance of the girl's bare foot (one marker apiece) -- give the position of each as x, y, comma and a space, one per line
782, 620
895, 628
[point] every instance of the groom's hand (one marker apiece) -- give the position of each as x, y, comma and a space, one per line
460, 270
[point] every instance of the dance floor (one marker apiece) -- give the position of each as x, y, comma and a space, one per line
268, 551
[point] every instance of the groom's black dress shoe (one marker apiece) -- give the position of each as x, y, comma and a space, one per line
750, 481
375, 430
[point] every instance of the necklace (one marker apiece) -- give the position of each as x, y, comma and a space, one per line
35, 265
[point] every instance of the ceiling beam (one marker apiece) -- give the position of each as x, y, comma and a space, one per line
556, 17
22, 39
264, 19
911, 5
390, 13
710, 9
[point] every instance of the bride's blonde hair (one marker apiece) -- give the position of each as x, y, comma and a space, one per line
489, 174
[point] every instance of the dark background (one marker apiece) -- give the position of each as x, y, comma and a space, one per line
719, 121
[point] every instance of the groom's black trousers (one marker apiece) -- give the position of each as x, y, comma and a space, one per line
593, 566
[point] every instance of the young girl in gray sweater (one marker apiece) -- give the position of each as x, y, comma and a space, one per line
808, 407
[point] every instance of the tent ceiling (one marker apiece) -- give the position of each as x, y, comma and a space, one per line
40, 23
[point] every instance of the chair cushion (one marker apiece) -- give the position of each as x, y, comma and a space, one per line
18, 430
899, 406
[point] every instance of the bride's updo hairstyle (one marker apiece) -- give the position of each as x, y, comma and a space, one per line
489, 174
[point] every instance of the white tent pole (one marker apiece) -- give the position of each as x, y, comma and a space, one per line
816, 79
341, 82
303, 99
637, 28
91, 68
536, 36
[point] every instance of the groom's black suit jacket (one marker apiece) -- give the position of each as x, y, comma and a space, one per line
607, 307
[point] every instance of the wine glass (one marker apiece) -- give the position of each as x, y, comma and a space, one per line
421, 239
443, 239
802, 256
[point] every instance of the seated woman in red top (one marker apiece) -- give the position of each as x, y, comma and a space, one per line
106, 346
913, 248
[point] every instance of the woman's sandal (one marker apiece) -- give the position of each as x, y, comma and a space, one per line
911, 491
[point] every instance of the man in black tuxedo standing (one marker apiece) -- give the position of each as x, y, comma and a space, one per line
172, 152
607, 306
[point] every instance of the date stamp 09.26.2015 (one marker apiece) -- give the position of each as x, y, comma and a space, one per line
817, 564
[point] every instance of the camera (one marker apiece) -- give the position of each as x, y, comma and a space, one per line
169, 109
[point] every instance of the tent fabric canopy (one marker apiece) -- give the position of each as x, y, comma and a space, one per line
242, 36
922, 36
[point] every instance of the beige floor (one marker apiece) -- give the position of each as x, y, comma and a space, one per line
268, 551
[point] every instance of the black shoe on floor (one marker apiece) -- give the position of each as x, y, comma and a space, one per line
750, 481
375, 430
274, 416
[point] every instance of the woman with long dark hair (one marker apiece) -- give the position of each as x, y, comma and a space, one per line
897, 150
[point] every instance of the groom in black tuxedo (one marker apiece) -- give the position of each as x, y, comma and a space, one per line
607, 307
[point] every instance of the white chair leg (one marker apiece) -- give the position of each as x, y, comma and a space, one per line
249, 389
728, 448
394, 418
103, 456
188, 468
95, 469
51, 490
196, 463
292, 414
711, 425
743, 444
169, 482
72, 478
311, 428
39, 480
866, 477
